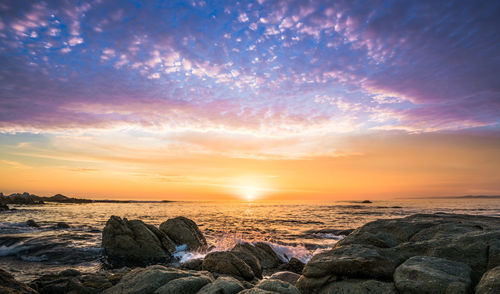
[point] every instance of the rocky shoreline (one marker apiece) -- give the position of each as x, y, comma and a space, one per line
423, 253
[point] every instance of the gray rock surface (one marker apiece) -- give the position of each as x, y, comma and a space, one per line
186, 285
9, 285
289, 277
134, 243
223, 285
262, 251
490, 282
277, 286
425, 274
184, 231
359, 287
227, 263
293, 265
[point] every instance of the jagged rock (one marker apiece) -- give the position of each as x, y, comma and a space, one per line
359, 287
186, 285
490, 282
32, 223
289, 277
227, 263
153, 278
263, 252
373, 250
424, 274
252, 261
184, 231
9, 285
293, 265
134, 243
277, 286
223, 285
193, 264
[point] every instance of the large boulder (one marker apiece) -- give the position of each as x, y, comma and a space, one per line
252, 261
223, 285
184, 231
155, 278
72, 281
133, 243
293, 265
490, 282
424, 274
262, 251
277, 286
226, 263
9, 285
289, 277
374, 250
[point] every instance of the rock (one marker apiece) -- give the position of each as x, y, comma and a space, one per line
193, 264
186, 285
227, 263
293, 265
9, 285
70, 273
359, 287
184, 231
289, 277
490, 282
72, 281
493, 253
223, 285
252, 261
263, 252
355, 261
4, 207
62, 225
152, 278
366, 201
256, 291
424, 274
32, 223
133, 243
277, 286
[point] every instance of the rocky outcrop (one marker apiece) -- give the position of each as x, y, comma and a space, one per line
9, 285
134, 243
226, 263
490, 282
72, 281
293, 265
32, 223
223, 285
375, 250
432, 275
262, 251
184, 231
159, 279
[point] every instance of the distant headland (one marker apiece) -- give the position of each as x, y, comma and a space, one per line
27, 198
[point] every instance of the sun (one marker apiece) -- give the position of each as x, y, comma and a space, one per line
249, 193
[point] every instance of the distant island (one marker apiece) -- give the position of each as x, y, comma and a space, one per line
457, 197
27, 198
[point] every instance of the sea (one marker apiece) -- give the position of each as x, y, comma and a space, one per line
293, 229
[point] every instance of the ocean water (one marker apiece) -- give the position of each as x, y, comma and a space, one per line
297, 229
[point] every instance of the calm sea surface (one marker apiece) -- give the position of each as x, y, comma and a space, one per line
294, 229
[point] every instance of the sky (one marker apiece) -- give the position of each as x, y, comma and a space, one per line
284, 100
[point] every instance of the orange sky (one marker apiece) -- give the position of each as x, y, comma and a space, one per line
377, 165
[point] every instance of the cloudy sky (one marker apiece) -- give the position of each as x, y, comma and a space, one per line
273, 99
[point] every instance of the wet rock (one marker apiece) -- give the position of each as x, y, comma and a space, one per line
133, 243
70, 273
277, 286
4, 207
223, 285
227, 263
184, 231
289, 277
490, 282
71, 281
263, 252
293, 265
32, 223
62, 225
359, 287
252, 261
154, 278
424, 274
193, 264
9, 285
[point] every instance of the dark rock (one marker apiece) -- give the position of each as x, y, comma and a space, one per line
289, 277
366, 201
62, 225
133, 243
32, 223
264, 253
223, 285
227, 263
293, 265
4, 207
359, 287
72, 281
184, 231
252, 261
70, 273
9, 285
193, 264
277, 286
490, 282
424, 274
186, 285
